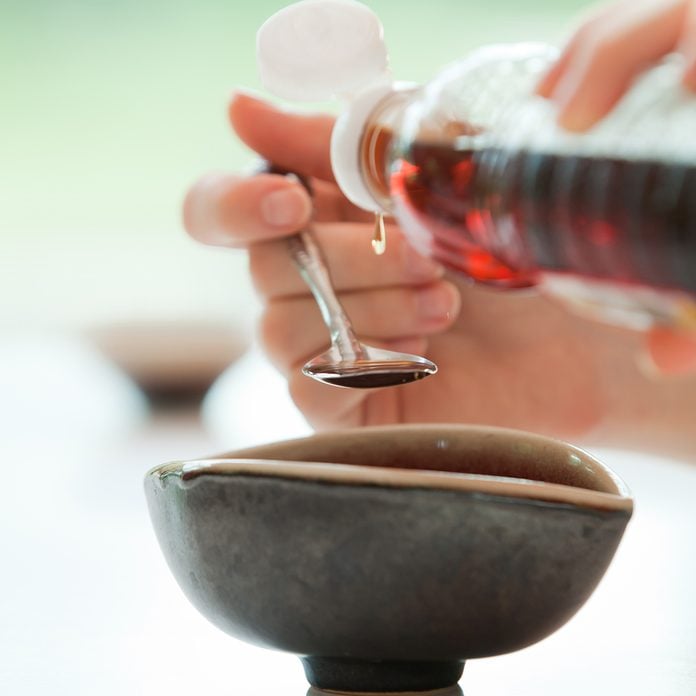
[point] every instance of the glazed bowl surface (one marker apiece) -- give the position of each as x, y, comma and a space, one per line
385, 557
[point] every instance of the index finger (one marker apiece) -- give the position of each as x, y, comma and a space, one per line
297, 142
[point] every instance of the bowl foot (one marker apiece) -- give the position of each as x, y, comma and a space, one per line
344, 674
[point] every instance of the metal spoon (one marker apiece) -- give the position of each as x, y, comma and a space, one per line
348, 363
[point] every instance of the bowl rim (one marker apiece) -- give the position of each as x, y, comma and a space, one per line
190, 471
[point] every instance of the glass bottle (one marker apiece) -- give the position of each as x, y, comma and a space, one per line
480, 177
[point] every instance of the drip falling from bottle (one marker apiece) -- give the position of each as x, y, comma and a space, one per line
379, 239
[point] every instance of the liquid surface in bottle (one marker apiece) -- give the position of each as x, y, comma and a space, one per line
501, 216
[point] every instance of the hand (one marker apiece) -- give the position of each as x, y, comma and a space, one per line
610, 49
604, 55
505, 359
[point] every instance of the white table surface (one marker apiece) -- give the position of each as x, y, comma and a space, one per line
88, 605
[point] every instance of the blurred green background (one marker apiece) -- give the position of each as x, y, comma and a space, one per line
111, 108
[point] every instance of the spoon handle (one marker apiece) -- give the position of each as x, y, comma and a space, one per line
309, 260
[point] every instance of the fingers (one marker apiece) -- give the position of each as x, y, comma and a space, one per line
352, 263
292, 330
607, 54
296, 142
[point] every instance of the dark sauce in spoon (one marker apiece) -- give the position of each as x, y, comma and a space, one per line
369, 376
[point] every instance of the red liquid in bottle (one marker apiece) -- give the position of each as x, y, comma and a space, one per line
502, 217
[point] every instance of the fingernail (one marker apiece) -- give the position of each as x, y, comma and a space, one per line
670, 353
571, 116
438, 302
285, 207
421, 267
576, 121
571, 113
544, 87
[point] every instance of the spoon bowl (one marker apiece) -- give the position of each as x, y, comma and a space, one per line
376, 368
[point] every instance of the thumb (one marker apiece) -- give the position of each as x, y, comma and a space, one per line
296, 142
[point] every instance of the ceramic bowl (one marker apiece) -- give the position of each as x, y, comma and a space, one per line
385, 557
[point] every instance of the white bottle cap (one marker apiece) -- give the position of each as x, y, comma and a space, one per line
319, 49
345, 147
315, 50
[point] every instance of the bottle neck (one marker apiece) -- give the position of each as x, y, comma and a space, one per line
376, 151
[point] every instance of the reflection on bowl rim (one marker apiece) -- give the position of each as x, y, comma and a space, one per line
189, 472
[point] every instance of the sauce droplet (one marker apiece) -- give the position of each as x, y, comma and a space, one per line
379, 240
